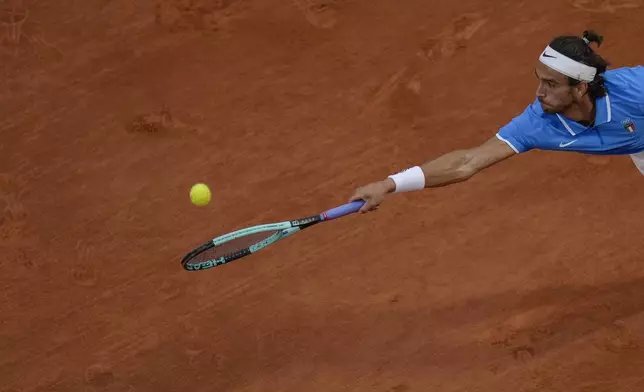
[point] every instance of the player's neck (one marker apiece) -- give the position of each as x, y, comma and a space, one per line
582, 112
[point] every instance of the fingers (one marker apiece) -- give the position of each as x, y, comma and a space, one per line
357, 195
360, 196
365, 207
369, 206
372, 201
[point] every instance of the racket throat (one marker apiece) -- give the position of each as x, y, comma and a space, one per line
306, 222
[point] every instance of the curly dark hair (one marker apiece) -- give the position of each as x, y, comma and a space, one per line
578, 49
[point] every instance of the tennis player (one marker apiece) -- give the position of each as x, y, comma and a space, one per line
580, 107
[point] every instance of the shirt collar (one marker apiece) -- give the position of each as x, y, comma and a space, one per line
603, 115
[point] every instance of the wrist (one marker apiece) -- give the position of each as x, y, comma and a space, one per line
411, 179
390, 185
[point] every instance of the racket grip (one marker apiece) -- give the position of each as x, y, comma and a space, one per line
343, 210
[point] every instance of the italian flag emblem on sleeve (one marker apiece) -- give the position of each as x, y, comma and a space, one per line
629, 125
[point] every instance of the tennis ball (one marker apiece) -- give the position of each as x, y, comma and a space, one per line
200, 194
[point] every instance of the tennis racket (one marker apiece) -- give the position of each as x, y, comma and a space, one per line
244, 242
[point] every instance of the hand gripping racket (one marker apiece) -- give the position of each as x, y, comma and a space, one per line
244, 242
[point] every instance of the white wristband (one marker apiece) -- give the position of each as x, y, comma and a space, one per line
411, 179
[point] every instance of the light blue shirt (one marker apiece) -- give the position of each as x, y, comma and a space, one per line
618, 127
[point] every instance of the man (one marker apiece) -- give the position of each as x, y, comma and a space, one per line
580, 107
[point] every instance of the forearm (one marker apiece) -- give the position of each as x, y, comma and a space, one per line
447, 169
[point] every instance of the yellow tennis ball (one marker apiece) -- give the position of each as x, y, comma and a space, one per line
200, 194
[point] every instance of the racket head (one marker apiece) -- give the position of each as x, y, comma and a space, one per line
235, 245
244, 242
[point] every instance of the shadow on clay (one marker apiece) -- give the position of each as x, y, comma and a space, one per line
548, 318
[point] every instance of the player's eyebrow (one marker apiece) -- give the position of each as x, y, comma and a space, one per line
545, 79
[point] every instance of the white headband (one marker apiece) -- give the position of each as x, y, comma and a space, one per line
567, 66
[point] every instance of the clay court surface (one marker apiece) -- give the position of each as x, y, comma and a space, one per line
527, 278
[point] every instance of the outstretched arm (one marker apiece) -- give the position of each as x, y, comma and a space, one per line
460, 165
455, 166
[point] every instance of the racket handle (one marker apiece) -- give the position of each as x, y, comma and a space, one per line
343, 210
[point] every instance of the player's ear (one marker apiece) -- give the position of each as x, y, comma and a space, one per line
581, 89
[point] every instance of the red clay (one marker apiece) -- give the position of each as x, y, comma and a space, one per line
527, 278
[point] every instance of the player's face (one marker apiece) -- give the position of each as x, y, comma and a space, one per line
554, 92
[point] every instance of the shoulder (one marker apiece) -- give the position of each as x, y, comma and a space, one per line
626, 85
532, 118
625, 76
525, 130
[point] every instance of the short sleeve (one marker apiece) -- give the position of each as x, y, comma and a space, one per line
639, 78
632, 80
518, 132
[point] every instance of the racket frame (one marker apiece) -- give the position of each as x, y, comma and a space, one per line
283, 229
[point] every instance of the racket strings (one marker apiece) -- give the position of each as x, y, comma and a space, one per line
233, 247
